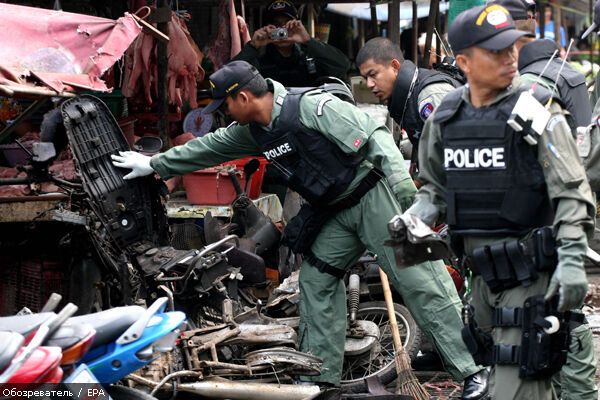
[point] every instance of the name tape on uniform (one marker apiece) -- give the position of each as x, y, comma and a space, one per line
474, 158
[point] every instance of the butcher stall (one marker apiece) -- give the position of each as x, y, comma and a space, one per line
50, 56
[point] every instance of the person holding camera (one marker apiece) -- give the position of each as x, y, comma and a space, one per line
283, 50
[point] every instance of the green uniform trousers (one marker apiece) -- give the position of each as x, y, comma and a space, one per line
427, 289
576, 379
505, 383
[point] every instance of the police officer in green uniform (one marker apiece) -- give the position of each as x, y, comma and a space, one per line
534, 63
576, 379
411, 93
346, 165
497, 186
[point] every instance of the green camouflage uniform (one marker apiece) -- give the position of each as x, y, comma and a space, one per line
427, 289
573, 210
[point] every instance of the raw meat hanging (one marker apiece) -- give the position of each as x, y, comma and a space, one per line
232, 34
184, 70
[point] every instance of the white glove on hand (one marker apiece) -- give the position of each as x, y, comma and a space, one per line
138, 163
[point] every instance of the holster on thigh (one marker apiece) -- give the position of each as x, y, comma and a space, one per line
544, 341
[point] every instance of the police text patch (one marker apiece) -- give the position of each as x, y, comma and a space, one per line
478, 158
278, 151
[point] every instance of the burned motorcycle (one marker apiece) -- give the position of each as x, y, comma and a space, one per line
237, 333
228, 276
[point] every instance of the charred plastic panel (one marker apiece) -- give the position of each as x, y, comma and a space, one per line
124, 207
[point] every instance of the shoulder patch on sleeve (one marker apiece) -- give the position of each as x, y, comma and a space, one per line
321, 104
426, 108
554, 120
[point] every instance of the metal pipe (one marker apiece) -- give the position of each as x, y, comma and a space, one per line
172, 376
16, 181
244, 390
218, 364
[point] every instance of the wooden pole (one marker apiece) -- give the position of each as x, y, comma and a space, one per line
438, 27
361, 33
542, 20
415, 33
557, 23
311, 19
408, 383
164, 14
394, 21
433, 9
374, 29
592, 37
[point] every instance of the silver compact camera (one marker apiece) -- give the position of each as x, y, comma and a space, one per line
279, 34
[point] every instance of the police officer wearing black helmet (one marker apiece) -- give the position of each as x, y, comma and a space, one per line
502, 165
291, 56
411, 93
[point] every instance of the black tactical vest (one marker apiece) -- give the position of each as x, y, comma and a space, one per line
311, 164
494, 182
404, 104
571, 86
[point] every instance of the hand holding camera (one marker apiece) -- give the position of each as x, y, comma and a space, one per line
292, 31
279, 34
296, 31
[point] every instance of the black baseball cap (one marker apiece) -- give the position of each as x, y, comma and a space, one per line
232, 77
281, 7
595, 23
518, 9
489, 27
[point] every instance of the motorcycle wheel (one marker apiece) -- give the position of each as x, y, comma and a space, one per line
126, 393
380, 360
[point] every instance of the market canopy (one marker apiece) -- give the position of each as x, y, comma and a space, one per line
52, 52
363, 11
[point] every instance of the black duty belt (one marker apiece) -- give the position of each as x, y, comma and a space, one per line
361, 190
349, 201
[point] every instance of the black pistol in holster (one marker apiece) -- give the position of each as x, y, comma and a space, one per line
414, 242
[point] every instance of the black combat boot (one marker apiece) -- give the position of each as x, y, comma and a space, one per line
476, 386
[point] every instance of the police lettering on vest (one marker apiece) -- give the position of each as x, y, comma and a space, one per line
494, 182
278, 151
487, 157
315, 167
